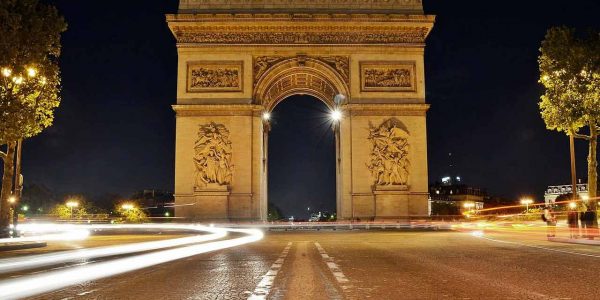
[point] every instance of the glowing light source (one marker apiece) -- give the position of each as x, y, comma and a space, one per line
12, 199
477, 233
572, 205
31, 72
6, 72
336, 115
266, 116
72, 203
17, 79
127, 206
526, 202
469, 205
25, 208
585, 197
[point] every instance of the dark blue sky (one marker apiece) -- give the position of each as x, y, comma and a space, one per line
114, 131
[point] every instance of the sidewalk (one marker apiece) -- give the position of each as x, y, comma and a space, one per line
9, 246
582, 241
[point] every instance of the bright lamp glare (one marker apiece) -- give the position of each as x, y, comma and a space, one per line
127, 206
6, 72
266, 116
31, 72
336, 115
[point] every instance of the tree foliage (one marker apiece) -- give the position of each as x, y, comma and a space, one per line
30, 79
570, 73
62, 211
132, 214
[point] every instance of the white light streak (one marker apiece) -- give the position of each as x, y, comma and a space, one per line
36, 261
36, 284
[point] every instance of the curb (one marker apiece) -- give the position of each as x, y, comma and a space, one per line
21, 245
575, 241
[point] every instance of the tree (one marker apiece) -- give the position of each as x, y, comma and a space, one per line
62, 211
570, 73
29, 79
131, 212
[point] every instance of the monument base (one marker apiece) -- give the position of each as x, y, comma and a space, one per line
391, 202
210, 203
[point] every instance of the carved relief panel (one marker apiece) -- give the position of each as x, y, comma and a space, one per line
389, 158
215, 76
388, 77
212, 156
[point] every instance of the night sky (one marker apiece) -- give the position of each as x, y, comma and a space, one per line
114, 131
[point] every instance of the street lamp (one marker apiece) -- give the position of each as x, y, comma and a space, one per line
266, 116
127, 206
335, 115
526, 202
70, 204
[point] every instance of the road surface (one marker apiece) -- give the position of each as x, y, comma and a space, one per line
512, 264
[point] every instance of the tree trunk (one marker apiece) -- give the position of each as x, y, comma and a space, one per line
593, 174
7, 185
593, 167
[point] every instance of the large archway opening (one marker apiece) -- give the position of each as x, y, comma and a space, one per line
301, 159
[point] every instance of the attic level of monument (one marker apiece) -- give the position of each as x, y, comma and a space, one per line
388, 6
289, 29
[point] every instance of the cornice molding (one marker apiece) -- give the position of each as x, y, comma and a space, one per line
292, 29
402, 6
217, 110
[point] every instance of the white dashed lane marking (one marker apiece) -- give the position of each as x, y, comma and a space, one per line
264, 286
334, 268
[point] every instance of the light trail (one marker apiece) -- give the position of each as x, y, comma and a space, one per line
36, 261
36, 284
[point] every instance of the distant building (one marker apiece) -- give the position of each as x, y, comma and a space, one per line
157, 203
456, 195
553, 191
450, 195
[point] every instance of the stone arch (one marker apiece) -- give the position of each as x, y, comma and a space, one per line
299, 76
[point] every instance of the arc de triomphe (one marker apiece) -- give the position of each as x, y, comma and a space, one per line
239, 58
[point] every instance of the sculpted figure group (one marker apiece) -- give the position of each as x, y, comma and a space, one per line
213, 155
389, 162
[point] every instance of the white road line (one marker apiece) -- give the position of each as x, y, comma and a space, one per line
540, 247
264, 286
334, 268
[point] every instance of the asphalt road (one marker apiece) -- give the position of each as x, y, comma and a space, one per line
500, 264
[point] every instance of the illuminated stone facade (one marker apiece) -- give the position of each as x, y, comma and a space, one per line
239, 58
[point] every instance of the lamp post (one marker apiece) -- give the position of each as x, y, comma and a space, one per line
70, 204
526, 202
13, 200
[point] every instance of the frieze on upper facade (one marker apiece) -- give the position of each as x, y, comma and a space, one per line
393, 35
406, 6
